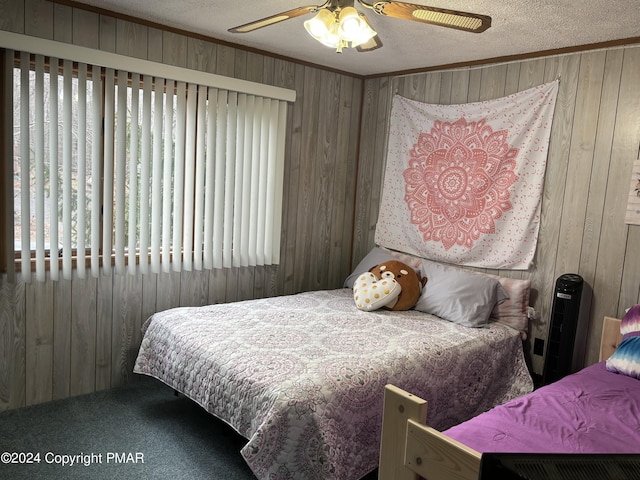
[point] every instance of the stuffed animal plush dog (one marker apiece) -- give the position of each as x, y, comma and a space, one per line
392, 285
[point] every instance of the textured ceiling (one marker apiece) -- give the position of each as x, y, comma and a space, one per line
518, 27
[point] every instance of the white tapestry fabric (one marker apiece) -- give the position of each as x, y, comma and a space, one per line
463, 183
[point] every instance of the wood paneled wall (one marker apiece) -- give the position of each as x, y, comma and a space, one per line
65, 338
595, 139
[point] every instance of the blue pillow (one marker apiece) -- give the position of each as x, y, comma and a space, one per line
626, 359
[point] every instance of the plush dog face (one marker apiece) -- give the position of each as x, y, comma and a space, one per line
408, 279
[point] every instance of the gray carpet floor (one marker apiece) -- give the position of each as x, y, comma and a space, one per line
140, 431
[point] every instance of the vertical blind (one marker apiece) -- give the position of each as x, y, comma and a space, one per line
152, 174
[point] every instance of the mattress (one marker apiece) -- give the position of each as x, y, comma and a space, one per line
302, 376
591, 411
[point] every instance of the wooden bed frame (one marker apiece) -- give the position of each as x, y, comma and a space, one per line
409, 449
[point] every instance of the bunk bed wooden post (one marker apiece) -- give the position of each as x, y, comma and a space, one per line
611, 337
399, 407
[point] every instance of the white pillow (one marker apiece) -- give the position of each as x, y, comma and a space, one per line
458, 295
373, 258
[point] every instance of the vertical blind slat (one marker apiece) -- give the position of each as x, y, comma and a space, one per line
218, 189
39, 121
209, 195
279, 178
255, 178
120, 169
178, 180
156, 192
198, 221
67, 138
96, 173
167, 178
270, 182
239, 177
145, 173
229, 178
246, 181
189, 175
25, 180
133, 200
81, 93
53, 169
262, 182
107, 203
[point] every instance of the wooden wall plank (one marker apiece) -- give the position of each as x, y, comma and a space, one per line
168, 290
127, 301
194, 288
363, 237
131, 39
12, 16
39, 342
85, 28
344, 184
104, 333
293, 162
12, 344
460, 86
38, 19
174, 49
108, 33
201, 55
323, 169
306, 191
63, 23
61, 339
155, 46
83, 335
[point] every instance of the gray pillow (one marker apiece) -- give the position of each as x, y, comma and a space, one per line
458, 295
373, 258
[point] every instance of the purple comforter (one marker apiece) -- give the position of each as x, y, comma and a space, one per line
591, 411
302, 376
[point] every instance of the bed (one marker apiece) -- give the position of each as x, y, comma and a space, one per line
593, 411
302, 376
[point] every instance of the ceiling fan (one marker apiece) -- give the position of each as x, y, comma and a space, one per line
338, 24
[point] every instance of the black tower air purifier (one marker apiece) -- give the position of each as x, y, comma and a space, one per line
563, 325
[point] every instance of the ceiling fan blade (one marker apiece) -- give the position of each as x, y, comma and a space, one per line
469, 22
279, 17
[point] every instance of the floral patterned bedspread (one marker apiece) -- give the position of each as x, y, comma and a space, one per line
302, 376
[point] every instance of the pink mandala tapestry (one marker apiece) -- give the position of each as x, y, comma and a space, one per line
463, 183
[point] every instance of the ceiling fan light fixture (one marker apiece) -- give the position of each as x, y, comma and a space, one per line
324, 29
319, 25
350, 24
340, 29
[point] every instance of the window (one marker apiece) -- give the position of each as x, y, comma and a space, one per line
146, 172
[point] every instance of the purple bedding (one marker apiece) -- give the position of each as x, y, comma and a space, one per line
302, 376
591, 411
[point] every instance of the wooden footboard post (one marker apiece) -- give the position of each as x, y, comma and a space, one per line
399, 407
